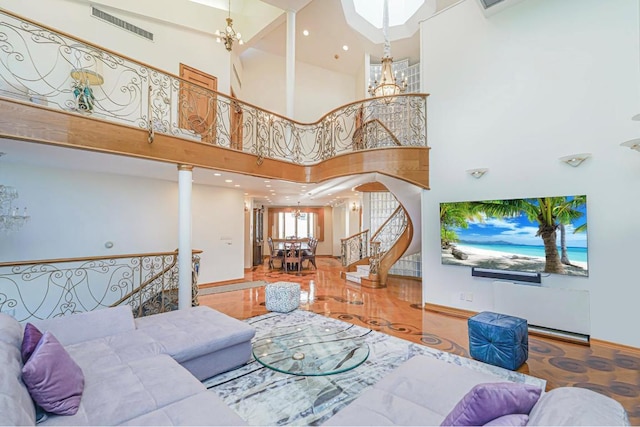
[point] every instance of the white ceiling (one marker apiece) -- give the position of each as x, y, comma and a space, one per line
333, 192
328, 32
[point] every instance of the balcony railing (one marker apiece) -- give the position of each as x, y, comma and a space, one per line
41, 65
52, 288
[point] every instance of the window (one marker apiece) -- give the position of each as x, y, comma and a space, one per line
283, 223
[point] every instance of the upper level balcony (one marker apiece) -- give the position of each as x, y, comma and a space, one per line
57, 89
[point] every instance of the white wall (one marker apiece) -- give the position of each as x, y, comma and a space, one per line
513, 93
173, 44
317, 91
74, 213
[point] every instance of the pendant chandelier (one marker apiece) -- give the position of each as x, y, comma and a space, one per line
10, 217
387, 85
229, 35
296, 213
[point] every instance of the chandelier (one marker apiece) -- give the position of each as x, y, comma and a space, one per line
229, 35
387, 85
10, 218
296, 213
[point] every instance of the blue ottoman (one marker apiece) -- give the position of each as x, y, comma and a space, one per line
499, 339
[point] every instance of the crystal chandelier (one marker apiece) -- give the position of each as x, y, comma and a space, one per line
229, 35
296, 213
10, 218
387, 85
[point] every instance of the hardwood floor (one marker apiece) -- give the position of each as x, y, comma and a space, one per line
397, 310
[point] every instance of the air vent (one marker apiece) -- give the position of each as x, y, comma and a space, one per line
488, 3
97, 13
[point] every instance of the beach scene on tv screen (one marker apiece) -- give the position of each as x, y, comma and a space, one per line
544, 234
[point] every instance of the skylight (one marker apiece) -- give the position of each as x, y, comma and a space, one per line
399, 10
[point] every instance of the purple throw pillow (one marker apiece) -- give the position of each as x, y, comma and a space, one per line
54, 380
510, 420
30, 340
486, 402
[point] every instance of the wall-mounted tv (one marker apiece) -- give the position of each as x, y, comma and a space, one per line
544, 234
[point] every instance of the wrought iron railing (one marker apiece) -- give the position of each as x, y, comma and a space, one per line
44, 66
354, 248
52, 288
391, 230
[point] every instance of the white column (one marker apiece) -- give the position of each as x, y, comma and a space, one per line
185, 182
290, 73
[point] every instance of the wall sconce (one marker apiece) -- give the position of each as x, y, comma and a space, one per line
354, 207
477, 173
246, 207
575, 160
634, 144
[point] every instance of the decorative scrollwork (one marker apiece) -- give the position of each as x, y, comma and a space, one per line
39, 65
45, 289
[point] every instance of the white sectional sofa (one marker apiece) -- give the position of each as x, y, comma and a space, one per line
136, 372
424, 390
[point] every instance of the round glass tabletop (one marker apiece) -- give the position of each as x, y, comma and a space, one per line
311, 350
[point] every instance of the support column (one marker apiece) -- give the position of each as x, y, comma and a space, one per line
290, 73
185, 183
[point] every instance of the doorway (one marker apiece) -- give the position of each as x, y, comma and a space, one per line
198, 107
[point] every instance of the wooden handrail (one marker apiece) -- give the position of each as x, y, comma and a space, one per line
355, 235
92, 258
386, 222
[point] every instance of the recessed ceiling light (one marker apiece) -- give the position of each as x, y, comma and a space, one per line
329, 194
228, 180
268, 186
237, 185
217, 174
266, 180
305, 32
345, 47
304, 186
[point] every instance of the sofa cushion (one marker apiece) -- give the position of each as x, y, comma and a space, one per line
116, 391
54, 380
510, 420
88, 326
204, 408
574, 406
174, 331
433, 385
30, 340
485, 402
16, 406
10, 330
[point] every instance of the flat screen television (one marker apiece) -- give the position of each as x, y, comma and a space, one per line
543, 234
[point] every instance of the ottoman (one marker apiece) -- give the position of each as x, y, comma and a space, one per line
282, 297
498, 339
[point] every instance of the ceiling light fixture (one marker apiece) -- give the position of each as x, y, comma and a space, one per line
229, 35
387, 85
477, 173
634, 144
296, 213
305, 32
575, 159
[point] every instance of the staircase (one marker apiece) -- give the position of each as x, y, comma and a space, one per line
389, 243
356, 276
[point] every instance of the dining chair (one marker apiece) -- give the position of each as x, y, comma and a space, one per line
310, 253
274, 254
292, 257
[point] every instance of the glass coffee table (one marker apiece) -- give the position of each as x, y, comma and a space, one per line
311, 350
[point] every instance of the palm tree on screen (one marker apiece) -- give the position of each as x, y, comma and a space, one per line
548, 212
